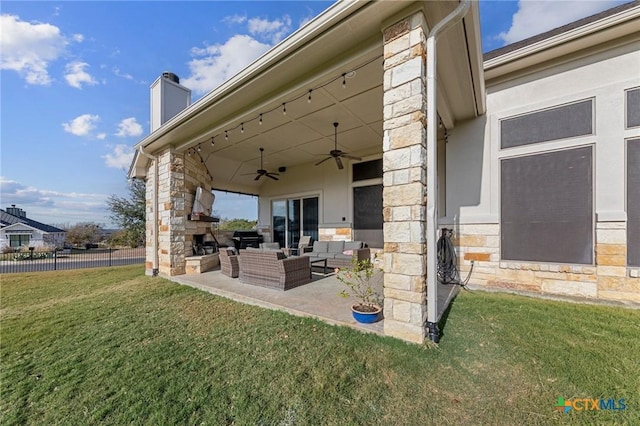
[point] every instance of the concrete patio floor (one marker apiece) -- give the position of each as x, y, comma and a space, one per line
319, 299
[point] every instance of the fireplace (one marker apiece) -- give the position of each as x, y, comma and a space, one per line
203, 244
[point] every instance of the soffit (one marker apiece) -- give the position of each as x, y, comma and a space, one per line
306, 133
557, 47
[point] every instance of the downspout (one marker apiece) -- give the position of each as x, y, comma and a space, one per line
432, 166
154, 244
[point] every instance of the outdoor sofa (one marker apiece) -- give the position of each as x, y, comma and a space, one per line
270, 268
339, 254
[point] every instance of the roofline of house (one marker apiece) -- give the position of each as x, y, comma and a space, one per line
322, 23
596, 29
321, 26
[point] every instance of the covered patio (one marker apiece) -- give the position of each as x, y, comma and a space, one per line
319, 299
362, 65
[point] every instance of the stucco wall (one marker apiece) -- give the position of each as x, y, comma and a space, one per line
331, 185
473, 176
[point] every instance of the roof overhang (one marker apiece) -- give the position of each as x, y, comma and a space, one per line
346, 37
19, 228
621, 26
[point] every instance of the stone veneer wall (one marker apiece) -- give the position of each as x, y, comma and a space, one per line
334, 234
178, 178
608, 280
404, 178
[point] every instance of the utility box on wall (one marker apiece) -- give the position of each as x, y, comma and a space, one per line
168, 98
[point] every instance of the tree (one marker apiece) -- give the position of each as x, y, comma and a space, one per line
83, 233
129, 213
237, 224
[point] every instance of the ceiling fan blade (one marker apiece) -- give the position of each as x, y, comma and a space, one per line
351, 157
339, 162
258, 177
270, 175
322, 161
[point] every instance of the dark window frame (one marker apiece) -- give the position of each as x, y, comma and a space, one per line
627, 111
548, 110
591, 254
633, 212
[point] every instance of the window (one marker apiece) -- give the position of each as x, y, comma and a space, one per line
367, 203
633, 202
633, 108
19, 240
367, 215
561, 122
367, 170
290, 217
547, 207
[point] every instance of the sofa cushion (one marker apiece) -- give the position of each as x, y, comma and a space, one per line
335, 246
328, 255
320, 246
352, 245
270, 246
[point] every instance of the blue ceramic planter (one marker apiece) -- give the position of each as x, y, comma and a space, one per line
366, 317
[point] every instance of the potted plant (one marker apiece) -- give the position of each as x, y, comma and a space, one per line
359, 280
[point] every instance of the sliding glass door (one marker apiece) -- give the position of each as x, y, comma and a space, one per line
293, 218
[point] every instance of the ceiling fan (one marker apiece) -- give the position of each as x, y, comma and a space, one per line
336, 153
262, 172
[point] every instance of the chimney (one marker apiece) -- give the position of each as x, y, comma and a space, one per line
168, 98
16, 211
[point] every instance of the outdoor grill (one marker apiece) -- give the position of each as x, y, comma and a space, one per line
244, 239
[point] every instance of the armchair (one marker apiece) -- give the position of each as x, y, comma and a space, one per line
305, 244
229, 264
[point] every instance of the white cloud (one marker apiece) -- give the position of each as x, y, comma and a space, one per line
76, 75
82, 125
79, 38
215, 64
119, 73
274, 31
120, 158
101, 136
129, 127
53, 207
235, 19
537, 16
28, 48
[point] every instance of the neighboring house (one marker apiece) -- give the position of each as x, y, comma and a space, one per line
530, 154
16, 230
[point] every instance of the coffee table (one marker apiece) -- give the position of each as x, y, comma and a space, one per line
319, 261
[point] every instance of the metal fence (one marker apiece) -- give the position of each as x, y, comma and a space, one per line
54, 260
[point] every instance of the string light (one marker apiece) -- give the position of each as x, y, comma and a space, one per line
199, 148
309, 93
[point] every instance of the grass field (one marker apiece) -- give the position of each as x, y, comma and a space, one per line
112, 346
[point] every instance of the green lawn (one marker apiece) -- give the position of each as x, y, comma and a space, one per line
112, 346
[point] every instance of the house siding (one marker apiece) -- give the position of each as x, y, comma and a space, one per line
473, 179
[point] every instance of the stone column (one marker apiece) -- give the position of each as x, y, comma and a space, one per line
404, 179
172, 216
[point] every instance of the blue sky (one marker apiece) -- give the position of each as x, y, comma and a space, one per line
75, 76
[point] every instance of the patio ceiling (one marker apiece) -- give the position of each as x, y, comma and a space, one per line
305, 134
345, 39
